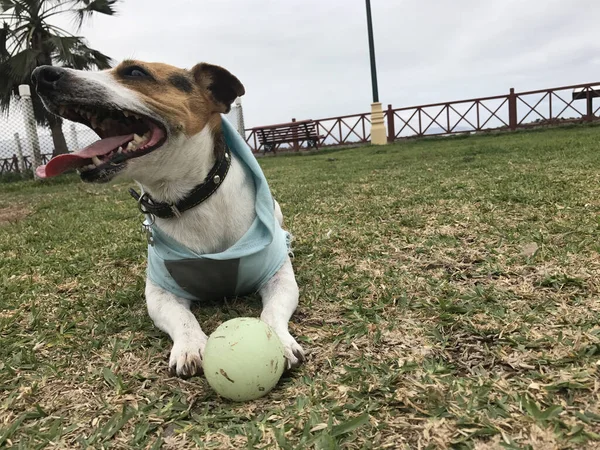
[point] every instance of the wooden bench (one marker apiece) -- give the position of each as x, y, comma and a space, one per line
291, 132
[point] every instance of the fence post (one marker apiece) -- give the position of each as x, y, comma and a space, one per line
590, 104
30, 125
390, 125
74, 139
512, 110
21, 166
240, 118
295, 137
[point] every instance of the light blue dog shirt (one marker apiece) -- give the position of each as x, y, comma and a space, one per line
241, 269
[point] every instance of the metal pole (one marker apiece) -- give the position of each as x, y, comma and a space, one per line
30, 125
74, 139
240, 118
372, 53
20, 153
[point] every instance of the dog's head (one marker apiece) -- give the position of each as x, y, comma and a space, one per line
139, 110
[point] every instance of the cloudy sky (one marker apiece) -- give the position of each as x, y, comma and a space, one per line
309, 58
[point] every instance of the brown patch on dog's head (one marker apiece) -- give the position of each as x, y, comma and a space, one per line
187, 100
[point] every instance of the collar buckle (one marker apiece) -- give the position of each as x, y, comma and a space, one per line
175, 211
144, 198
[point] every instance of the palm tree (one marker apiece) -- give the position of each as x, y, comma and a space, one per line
29, 40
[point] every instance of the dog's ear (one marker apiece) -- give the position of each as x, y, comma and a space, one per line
222, 85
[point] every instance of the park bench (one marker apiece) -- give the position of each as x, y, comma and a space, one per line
293, 132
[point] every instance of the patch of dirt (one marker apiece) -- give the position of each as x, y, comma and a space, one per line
13, 213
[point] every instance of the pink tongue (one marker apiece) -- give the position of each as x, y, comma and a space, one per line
62, 163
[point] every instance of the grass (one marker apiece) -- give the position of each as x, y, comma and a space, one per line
449, 299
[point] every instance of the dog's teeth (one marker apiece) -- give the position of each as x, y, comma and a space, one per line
120, 150
94, 122
61, 110
137, 139
130, 147
126, 113
96, 160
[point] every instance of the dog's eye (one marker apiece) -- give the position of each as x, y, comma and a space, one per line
135, 72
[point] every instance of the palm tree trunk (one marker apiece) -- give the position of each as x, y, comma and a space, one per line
54, 122
58, 137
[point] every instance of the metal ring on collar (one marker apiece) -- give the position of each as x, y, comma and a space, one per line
143, 197
151, 218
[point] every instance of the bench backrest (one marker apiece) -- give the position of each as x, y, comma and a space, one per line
288, 132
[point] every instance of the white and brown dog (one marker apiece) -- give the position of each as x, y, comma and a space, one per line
162, 126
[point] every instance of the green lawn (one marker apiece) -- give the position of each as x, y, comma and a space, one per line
450, 297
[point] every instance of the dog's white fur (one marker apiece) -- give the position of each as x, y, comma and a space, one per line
168, 174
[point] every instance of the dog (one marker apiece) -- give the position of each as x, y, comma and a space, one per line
203, 193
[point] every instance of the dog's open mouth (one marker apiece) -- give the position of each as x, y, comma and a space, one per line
123, 135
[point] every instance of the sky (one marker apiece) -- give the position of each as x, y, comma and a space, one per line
309, 59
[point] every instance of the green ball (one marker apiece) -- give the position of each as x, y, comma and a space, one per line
243, 359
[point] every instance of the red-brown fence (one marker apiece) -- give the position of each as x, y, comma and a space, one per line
448, 118
12, 164
512, 111
355, 129
515, 110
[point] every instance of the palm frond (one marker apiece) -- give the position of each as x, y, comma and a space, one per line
27, 40
6, 88
18, 39
22, 64
4, 34
100, 60
94, 6
6, 5
58, 31
72, 51
63, 47
14, 71
18, 7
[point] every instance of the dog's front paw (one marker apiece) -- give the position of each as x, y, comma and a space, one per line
293, 352
186, 359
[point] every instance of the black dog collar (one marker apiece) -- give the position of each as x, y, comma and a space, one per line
196, 196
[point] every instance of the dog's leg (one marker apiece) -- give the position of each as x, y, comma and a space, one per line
172, 315
280, 299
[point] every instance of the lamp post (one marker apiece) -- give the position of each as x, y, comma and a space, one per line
378, 135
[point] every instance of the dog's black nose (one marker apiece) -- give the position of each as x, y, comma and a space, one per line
46, 78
